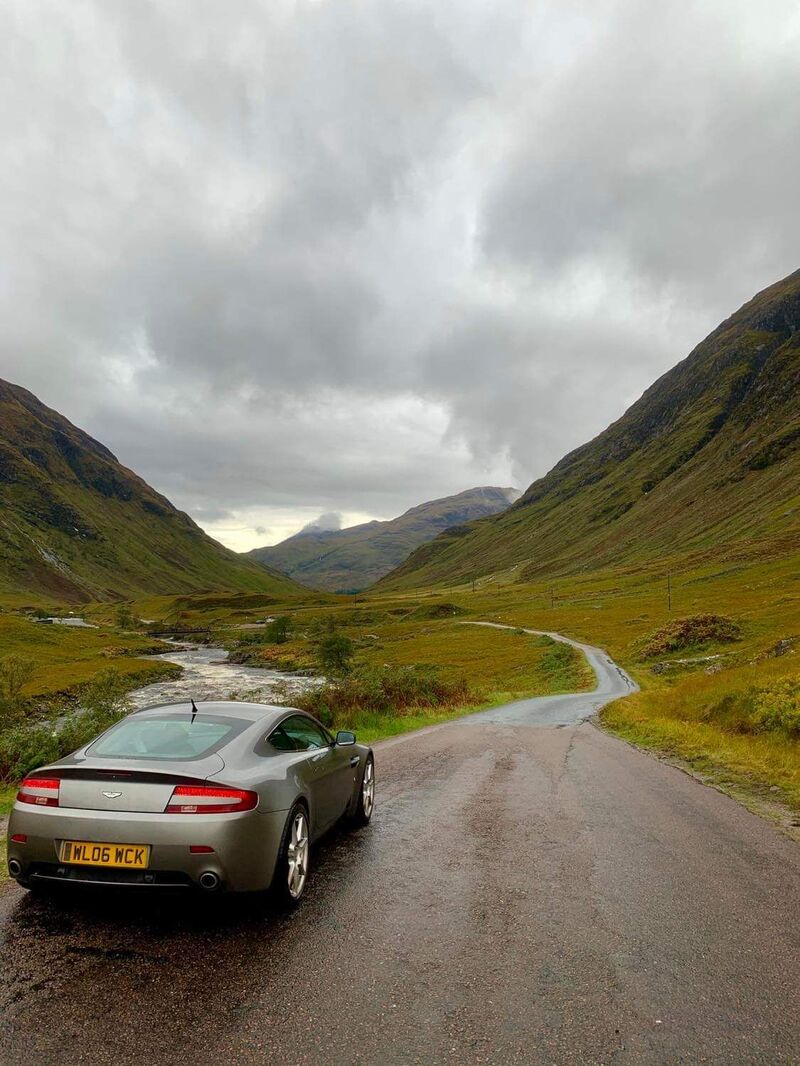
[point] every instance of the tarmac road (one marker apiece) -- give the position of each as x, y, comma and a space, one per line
530, 890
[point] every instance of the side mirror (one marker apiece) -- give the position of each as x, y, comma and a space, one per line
344, 738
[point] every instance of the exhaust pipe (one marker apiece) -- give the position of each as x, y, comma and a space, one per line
14, 867
209, 881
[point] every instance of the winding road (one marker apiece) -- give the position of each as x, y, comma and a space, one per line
530, 890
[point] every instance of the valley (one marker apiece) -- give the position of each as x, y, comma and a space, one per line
672, 541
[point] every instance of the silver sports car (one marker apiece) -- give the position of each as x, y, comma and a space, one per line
224, 796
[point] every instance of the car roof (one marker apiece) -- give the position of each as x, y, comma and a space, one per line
253, 712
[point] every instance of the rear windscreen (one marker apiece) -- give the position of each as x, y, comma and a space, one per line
170, 737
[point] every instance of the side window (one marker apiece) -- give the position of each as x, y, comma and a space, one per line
279, 739
304, 733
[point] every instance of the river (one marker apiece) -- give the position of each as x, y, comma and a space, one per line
208, 676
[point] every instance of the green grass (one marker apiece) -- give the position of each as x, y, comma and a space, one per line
64, 658
7, 795
494, 662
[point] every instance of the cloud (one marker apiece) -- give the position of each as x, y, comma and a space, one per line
289, 258
328, 522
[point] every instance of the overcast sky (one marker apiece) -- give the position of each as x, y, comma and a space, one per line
287, 258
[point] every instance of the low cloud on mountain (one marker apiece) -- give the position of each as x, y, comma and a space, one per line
326, 523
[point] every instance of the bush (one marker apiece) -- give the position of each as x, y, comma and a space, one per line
436, 610
691, 632
770, 708
335, 654
558, 658
278, 629
23, 748
15, 672
777, 707
387, 690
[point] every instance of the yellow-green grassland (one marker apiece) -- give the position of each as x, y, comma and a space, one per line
727, 707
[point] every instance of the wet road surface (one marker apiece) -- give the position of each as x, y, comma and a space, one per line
526, 892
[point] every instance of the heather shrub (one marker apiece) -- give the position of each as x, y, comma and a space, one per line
693, 632
385, 691
777, 706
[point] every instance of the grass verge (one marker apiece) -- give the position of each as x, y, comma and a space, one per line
741, 726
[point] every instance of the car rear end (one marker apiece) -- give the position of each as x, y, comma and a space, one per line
167, 831
142, 822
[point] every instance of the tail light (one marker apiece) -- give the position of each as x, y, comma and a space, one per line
41, 791
210, 799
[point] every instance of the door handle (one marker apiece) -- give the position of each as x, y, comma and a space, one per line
354, 760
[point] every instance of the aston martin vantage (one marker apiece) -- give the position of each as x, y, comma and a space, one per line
221, 796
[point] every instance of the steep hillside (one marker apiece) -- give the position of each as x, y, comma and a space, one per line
707, 459
76, 525
344, 560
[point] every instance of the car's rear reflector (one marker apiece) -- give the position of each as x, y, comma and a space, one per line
19, 838
210, 799
41, 791
201, 849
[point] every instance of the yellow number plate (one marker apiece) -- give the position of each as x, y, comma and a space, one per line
88, 853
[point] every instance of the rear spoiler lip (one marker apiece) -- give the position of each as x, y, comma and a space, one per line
150, 777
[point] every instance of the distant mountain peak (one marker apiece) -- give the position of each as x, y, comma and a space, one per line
348, 559
328, 522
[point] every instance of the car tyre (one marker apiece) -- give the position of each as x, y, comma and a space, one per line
365, 804
292, 868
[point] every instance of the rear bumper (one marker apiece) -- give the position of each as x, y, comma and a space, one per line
245, 846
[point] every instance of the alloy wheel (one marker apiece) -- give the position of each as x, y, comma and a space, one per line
368, 788
297, 854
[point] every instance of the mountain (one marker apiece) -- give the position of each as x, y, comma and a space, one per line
344, 560
75, 525
708, 457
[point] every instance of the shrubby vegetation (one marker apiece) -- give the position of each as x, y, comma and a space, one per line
683, 634
335, 654
15, 672
777, 706
560, 666
772, 707
743, 722
124, 617
396, 691
277, 631
103, 701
